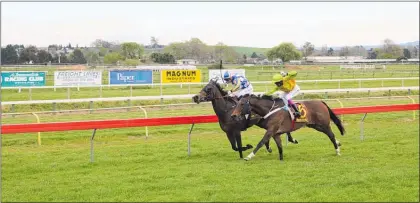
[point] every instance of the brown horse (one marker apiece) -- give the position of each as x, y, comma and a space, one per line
316, 115
223, 106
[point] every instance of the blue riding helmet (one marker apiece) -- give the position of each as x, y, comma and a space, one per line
226, 76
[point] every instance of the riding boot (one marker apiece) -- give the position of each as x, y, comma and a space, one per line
293, 105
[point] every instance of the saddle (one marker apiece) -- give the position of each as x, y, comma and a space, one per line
303, 112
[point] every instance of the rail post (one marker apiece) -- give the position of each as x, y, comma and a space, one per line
39, 133
362, 136
145, 116
414, 111
13, 110
131, 90
30, 93
91, 145
128, 104
91, 106
100, 91
54, 107
189, 140
68, 92
342, 106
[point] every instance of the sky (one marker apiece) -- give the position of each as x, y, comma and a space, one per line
255, 24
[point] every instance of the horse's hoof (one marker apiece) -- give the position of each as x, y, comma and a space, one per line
269, 150
338, 154
249, 146
339, 144
247, 159
295, 142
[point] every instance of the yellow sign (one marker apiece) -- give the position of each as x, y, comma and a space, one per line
180, 76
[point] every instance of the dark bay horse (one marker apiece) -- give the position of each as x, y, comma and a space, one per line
318, 116
223, 107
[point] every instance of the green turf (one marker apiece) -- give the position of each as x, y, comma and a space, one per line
128, 167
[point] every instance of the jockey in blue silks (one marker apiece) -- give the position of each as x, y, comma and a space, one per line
241, 85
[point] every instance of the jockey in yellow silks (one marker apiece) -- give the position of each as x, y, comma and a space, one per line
286, 88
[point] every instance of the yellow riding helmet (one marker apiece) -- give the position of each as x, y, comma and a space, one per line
277, 78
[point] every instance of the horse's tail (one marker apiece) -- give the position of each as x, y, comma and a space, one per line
335, 119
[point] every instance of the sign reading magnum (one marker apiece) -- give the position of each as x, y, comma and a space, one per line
180, 76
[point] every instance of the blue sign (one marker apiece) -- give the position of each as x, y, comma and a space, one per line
130, 77
23, 79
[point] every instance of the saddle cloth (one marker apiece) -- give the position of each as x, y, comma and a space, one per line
303, 112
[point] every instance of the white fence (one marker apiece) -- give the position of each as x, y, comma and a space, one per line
204, 83
189, 96
360, 66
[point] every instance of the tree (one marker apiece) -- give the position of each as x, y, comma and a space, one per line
164, 58
308, 48
225, 53
324, 50
372, 54
177, 49
28, 54
154, 42
113, 58
357, 51
9, 55
330, 51
78, 57
197, 50
390, 50
407, 53
344, 51
415, 52
102, 43
284, 51
44, 56
254, 55
92, 57
132, 50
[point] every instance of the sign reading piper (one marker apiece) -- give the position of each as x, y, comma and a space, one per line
180, 76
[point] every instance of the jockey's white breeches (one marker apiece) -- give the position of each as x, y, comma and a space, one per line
241, 92
287, 96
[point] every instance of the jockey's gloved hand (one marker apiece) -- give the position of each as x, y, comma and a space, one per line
229, 92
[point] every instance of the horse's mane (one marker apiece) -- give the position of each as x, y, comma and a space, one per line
266, 97
219, 87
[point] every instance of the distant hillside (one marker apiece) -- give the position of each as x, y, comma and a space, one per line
249, 50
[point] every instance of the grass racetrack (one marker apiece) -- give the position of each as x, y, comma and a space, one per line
383, 167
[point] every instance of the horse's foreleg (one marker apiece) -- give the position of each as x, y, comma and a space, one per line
267, 146
264, 140
231, 138
239, 143
279, 146
291, 139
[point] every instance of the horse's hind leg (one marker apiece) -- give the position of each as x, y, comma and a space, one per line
335, 142
327, 130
